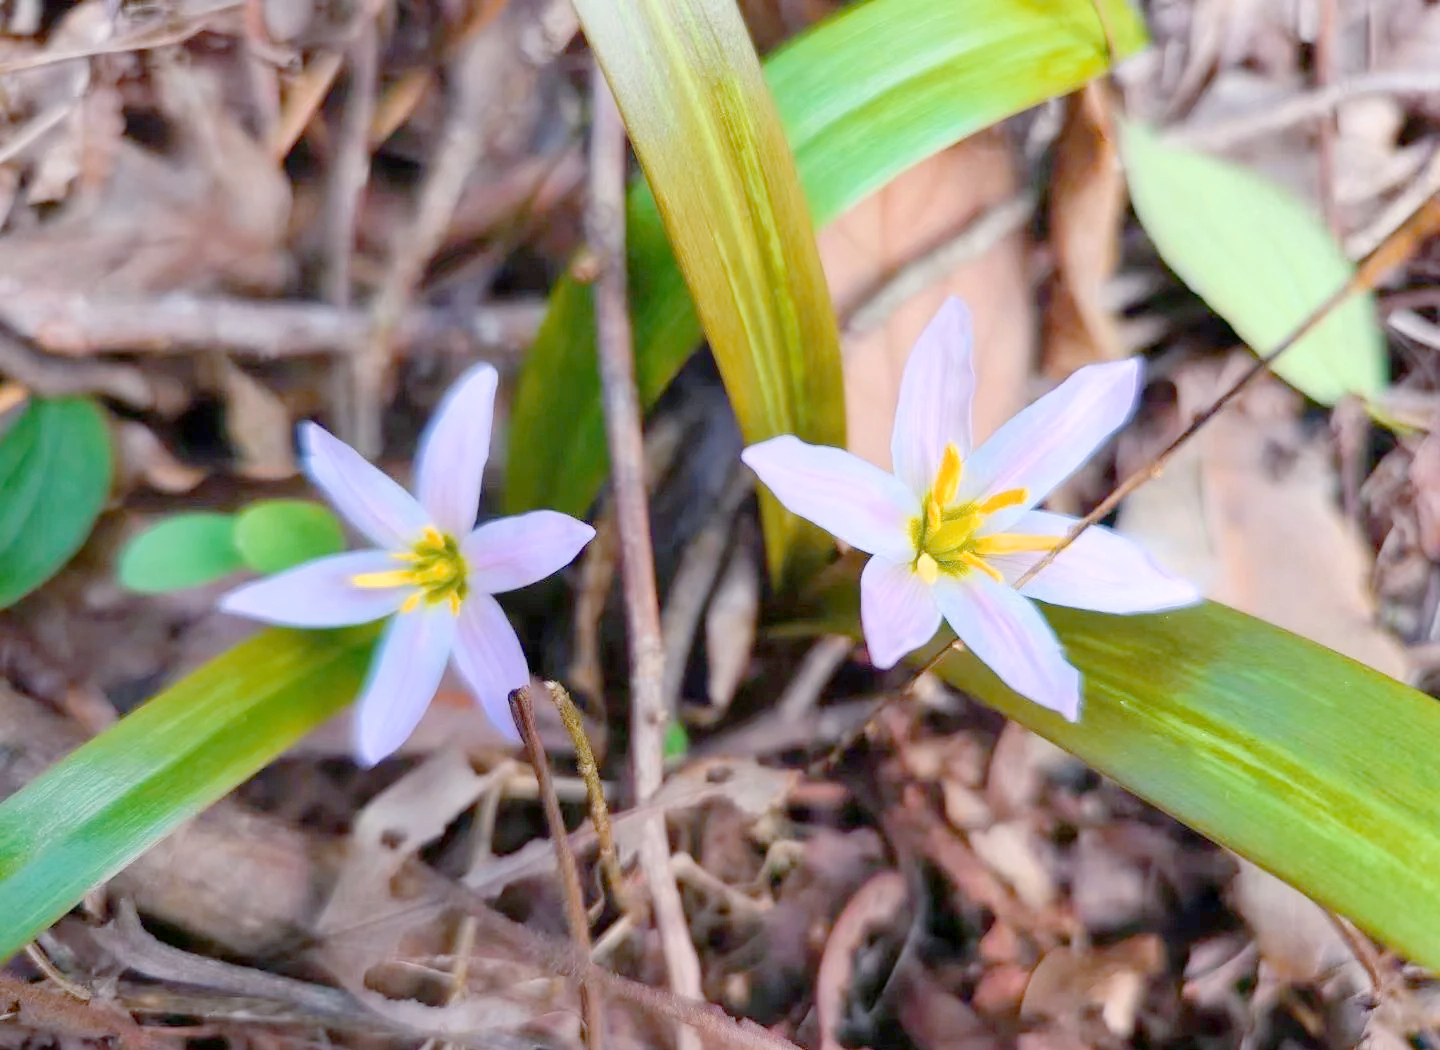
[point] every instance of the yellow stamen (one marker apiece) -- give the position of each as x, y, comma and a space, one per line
1001, 500
947, 478
435, 571
380, 580
1014, 543
977, 562
926, 568
952, 535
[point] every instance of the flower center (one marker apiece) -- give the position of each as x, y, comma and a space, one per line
945, 532
435, 568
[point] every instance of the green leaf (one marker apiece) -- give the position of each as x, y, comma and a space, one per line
1306, 762
107, 802
1261, 259
707, 134
274, 535
55, 467
187, 550
863, 96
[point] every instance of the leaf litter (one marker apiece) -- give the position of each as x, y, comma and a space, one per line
955, 882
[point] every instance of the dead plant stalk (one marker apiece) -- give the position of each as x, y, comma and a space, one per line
605, 222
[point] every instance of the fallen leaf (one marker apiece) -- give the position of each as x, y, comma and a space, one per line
731, 620
936, 1018
877, 903
1087, 213
1013, 851
364, 924
1296, 938
142, 457
258, 423
1247, 511
925, 207
1068, 983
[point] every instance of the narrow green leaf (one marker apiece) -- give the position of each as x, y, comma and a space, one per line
706, 132
863, 96
187, 550
1260, 258
55, 467
106, 803
1306, 762
275, 535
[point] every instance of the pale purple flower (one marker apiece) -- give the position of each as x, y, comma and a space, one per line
433, 570
951, 530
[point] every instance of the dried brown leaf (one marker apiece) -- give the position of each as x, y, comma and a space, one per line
731, 620
1069, 984
877, 903
927, 206
1087, 213
1247, 510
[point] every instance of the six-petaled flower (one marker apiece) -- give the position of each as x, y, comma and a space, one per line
434, 571
951, 530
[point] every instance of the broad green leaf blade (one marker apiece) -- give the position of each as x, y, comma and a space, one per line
275, 535
107, 802
55, 467
1260, 258
1306, 762
863, 96
187, 550
706, 132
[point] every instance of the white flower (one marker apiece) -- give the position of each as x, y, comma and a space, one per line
434, 571
950, 530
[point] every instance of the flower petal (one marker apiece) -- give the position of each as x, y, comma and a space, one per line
935, 395
1102, 571
453, 451
1010, 636
846, 496
514, 552
365, 496
408, 665
319, 593
897, 611
489, 658
1050, 440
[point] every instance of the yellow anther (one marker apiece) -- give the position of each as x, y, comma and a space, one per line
380, 580
1001, 500
1014, 543
926, 568
947, 478
411, 603
977, 562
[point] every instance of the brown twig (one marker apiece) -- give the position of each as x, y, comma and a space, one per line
977, 237
476, 72
594, 791
605, 233
51, 378
308, 91
1222, 134
64, 322
351, 169
1324, 74
575, 913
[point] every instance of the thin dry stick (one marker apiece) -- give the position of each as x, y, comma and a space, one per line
462, 145
575, 915
1324, 74
594, 790
352, 162
606, 236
